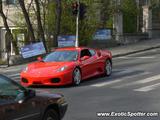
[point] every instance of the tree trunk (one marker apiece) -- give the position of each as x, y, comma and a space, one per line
58, 21
29, 25
9, 36
39, 22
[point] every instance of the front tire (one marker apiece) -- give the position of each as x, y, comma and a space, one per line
77, 76
108, 68
51, 114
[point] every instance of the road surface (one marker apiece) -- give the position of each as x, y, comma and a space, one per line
133, 90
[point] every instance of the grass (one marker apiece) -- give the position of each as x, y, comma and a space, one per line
2, 62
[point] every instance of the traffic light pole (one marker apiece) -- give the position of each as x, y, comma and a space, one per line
77, 25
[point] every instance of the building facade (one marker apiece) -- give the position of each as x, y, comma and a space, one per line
11, 10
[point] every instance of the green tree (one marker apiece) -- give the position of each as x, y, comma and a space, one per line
39, 24
68, 20
130, 12
27, 19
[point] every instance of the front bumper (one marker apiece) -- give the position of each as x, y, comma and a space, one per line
57, 79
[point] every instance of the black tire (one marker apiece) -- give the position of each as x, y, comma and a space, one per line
51, 114
108, 68
77, 81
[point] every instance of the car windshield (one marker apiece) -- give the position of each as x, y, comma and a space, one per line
61, 56
9, 90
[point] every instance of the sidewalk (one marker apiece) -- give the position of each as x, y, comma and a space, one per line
135, 48
124, 49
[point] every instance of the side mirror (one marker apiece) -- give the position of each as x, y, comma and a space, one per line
39, 59
85, 58
25, 95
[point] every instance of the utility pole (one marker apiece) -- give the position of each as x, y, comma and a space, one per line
118, 22
77, 25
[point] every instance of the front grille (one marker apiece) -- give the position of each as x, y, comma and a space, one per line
55, 80
37, 83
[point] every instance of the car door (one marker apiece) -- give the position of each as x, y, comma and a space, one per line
87, 64
95, 60
12, 108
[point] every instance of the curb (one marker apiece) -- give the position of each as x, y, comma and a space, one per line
114, 56
136, 51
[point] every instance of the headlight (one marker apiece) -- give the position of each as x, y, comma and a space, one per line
62, 69
25, 69
62, 101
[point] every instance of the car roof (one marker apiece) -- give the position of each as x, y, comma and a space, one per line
71, 48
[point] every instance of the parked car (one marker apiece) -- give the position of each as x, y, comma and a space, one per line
67, 66
19, 103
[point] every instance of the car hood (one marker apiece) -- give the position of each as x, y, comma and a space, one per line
44, 67
45, 95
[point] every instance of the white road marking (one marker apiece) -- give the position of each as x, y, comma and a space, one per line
147, 88
106, 83
18, 77
143, 57
143, 81
118, 80
150, 79
10, 70
13, 75
123, 72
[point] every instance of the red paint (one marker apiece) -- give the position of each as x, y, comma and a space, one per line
43, 72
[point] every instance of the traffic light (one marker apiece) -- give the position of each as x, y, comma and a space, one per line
82, 11
75, 8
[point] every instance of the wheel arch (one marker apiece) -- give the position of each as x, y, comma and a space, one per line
78, 68
110, 59
54, 107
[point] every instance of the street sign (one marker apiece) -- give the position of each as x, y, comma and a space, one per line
33, 50
66, 40
102, 34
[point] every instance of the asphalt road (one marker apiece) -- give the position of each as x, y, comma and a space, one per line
133, 89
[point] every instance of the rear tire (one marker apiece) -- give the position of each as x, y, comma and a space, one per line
108, 68
77, 76
51, 114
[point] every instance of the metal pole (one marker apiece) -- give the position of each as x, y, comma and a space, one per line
77, 25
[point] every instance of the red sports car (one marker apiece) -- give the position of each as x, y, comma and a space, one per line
67, 66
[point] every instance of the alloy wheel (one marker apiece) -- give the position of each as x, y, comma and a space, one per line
108, 68
76, 76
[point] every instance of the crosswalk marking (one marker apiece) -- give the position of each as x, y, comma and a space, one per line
143, 57
106, 83
18, 77
123, 72
14, 75
154, 78
118, 80
147, 88
10, 70
146, 80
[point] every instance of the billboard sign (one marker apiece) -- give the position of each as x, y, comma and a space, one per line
66, 40
33, 50
102, 34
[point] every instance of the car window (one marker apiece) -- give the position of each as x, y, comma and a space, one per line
60, 56
9, 91
92, 52
85, 52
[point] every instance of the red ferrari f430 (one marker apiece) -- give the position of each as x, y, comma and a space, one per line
66, 66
